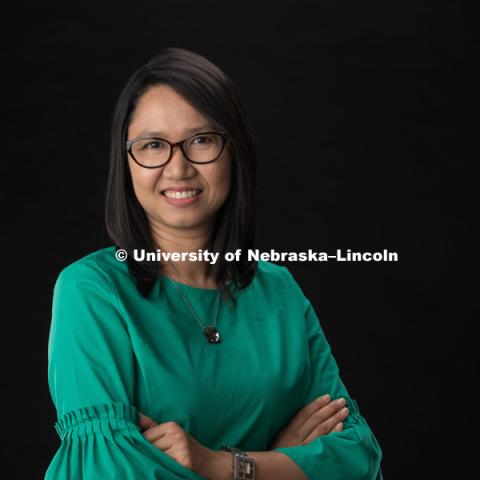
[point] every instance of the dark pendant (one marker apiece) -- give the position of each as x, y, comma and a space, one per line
212, 335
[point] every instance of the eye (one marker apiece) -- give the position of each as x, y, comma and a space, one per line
152, 145
203, 139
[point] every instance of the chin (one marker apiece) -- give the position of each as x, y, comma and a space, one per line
183, 222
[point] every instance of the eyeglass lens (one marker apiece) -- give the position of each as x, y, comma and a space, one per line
200, 148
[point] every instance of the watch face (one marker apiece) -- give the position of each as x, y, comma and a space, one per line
245, 467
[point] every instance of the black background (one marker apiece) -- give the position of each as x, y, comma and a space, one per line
366, 119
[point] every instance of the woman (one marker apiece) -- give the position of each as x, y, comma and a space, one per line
160, 369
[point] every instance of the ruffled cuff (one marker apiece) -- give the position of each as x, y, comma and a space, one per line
105, 418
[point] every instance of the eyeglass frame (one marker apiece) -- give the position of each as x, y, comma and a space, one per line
172, 146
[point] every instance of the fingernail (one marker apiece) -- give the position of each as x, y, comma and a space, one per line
342, 401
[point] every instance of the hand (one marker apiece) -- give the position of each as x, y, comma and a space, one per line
178, 444
319, 417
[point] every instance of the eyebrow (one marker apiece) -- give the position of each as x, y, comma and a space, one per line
163, 134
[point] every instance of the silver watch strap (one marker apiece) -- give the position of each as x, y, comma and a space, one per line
243, 465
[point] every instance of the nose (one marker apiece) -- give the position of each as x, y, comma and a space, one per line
178, 164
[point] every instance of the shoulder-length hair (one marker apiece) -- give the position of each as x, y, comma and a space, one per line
213, 94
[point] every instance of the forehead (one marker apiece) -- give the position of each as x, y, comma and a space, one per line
162, 109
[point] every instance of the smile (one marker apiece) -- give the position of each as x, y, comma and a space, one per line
184, 194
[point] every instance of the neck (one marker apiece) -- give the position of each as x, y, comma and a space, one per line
187, 272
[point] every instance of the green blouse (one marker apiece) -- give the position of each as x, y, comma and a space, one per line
113, 353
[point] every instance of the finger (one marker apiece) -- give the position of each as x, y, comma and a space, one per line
326, 426
318, 416
163, 436
154, 433
145, 422
324, 419
340, 416
338, 427
305, 413
166, 442
161, 430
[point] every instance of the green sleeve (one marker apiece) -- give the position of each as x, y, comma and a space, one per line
353, 453
91, 376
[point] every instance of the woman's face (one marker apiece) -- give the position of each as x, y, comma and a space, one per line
160, 109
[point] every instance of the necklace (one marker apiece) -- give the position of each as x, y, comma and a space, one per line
210, 331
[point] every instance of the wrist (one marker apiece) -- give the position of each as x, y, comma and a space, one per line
218, 466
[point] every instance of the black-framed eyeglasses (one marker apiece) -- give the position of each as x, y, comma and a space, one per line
154, 152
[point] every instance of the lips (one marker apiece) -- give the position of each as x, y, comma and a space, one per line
178, 194
181, 189
182, 199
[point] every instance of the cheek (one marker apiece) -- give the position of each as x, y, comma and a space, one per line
225, 187
144, 180
222, 181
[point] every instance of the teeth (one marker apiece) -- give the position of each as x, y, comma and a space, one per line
185, 194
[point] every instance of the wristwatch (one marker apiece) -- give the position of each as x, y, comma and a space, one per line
243, 465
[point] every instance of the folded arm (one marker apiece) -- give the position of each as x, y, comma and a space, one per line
91, 375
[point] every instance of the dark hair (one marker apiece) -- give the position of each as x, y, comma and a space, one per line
212, 93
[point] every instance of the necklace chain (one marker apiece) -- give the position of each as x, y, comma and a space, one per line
209, 331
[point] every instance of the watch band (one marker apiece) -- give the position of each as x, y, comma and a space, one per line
243, 465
